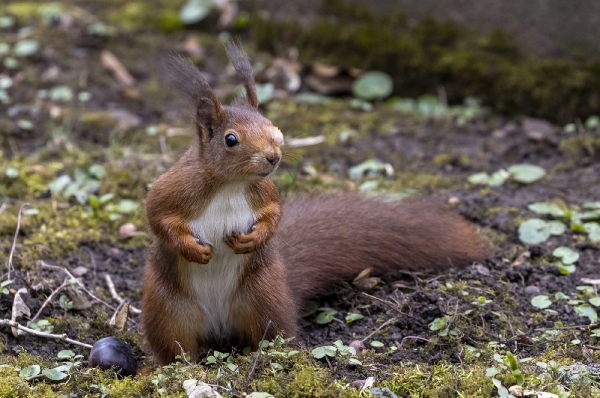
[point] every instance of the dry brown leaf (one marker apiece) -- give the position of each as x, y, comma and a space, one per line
122, 316
366, 284
521, 259
363, 274
19, 308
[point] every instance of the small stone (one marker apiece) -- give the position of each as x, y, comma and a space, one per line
482, 270
358, 383
127, 231
114, 252
532, 290
454, 200
79, 271
358, 346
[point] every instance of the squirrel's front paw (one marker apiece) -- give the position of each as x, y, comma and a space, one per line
243, 243
199, 253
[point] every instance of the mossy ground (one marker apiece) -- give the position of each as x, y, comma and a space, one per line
429, 156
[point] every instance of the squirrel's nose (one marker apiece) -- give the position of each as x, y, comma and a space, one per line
273, 158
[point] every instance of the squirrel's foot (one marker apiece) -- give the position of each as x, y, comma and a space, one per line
200, 252
244, 243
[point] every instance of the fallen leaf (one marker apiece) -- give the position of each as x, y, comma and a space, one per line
366, 284
521, 259
197, 389
363, 274
121, 317
19, 309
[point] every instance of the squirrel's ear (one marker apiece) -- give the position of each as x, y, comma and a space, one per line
244, 70
209, 114
190, 82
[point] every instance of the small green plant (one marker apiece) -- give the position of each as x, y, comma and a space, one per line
43, 325
325, 317
159, 378
222, 358
65, 303
353, 317
84, 183
584, 219
541, 302
481, 301
4, 288
338, 349
506, 362
523, 173
69, 360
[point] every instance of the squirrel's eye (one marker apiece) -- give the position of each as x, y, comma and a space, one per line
231, 140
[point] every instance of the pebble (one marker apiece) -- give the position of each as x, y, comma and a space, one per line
532, 290
358, 346
79, 271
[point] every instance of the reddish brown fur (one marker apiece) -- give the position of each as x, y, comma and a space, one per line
320, 240
333, 237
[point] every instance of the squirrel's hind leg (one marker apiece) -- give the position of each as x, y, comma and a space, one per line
171, 321
264, 296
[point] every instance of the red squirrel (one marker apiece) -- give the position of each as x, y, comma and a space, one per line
226, 257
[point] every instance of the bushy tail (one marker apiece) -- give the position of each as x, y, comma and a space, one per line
329, 238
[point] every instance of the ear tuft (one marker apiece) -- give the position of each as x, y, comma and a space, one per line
189, 81
244, 70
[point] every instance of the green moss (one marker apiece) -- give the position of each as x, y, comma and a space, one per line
575, 148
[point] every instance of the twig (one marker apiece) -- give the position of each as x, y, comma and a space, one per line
413, 338
386, 302
183, 353
63, 336
257, 355
65, 283
9, 265
66, 271
110, 62
115, 295
164, 149
329, 363
302, 142
384, 324
94, 266
569, 327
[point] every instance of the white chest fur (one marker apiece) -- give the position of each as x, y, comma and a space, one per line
214, 283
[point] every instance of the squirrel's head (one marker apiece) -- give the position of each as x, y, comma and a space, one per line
235, 141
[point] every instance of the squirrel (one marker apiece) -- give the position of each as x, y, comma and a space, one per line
227, 259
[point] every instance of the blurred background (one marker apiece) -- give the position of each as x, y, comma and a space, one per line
401, 97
